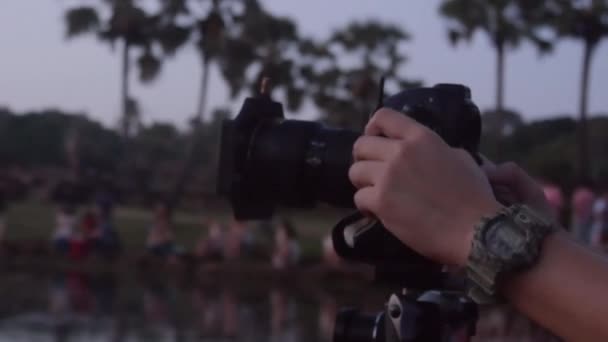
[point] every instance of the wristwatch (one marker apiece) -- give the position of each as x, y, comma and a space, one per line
504, 244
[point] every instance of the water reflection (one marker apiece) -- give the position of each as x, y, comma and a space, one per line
77, 306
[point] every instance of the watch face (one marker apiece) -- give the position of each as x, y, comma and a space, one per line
504, 239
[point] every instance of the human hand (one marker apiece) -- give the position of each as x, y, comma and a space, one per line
426, 193
512, 185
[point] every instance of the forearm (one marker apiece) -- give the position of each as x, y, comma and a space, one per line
566, 291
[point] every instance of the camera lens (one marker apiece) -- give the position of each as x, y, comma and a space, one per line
355, 326
302, 162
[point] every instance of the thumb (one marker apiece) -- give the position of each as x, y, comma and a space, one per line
508, 182
507, 173
486, 164
512, 182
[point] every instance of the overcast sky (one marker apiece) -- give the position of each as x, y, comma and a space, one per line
40, 69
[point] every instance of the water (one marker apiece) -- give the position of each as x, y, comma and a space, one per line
77, 306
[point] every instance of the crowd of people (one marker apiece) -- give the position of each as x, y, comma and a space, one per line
90, 230
84, 231
276, 242
93, 231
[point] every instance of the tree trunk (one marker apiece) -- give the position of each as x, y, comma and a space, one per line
202, 99
500, 76
583, 136
125, 89
189, 164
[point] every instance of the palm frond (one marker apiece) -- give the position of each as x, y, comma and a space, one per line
172, 37
81, 20
149, 66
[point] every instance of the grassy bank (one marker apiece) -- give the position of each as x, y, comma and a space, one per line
35, 220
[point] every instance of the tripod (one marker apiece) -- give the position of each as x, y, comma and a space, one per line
431, 316
432, 313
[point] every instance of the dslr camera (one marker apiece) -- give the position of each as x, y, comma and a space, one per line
268, 161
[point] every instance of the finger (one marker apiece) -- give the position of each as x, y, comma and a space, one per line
486, 164
505, 195
391, 124
365, 199
510, 176
374, 148
505, 181
365, 173
506, 174
465, 156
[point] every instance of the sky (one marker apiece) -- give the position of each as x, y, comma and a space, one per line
40, 69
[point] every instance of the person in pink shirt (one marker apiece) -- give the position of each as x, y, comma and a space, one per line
555, 198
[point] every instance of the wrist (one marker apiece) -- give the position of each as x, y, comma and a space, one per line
486, 209
505, 245
553, 244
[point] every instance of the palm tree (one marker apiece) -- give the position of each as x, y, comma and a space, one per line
209, 43
206, 31
505, 22
208, 35
135, 28
260, 44
238, 39
586, 22
357, 57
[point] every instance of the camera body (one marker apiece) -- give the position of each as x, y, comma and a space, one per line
266, 160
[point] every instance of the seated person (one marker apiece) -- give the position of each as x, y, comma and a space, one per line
89, 226
160, 241
330, 257
79, 243
107, 241
286, 246
234, 240
64, 227
211, 246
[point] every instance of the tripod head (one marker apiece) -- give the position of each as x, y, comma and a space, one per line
427, 304
430, 316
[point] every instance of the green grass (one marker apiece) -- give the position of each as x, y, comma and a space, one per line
35, 220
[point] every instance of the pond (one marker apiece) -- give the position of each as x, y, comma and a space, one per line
80, 306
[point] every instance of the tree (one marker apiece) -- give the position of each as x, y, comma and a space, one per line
586, 21
355, 57
247, 43
135, 28
505, 22
203, 24
209, 42
97, 147
259, 45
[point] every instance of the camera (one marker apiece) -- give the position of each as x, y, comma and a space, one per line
268, 161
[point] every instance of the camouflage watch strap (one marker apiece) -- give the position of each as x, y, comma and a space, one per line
485, 269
